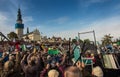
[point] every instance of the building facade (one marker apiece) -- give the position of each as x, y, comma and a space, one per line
33, 36
19, 27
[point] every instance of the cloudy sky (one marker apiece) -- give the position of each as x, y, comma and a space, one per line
63, 18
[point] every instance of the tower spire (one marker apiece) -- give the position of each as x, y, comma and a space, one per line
19, 26
19, 16
27, 29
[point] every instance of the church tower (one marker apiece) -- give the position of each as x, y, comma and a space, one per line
19, 26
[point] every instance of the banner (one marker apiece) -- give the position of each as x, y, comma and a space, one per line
53, 52
109, 61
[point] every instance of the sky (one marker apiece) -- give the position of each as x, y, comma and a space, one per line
63, 18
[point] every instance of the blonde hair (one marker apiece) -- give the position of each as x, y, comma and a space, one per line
72, 71
8, 65
53, 73
33, 58
97, 71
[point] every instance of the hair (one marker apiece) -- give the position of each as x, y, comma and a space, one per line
72, 71
1, 63
33, 58
11, 58
97, 71
31, 62
8, 65
53, 73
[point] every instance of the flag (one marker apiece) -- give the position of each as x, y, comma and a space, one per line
77, 52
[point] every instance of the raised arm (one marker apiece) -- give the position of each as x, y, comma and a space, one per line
18, 58
63, 60
29, 56
23, 64
44, 72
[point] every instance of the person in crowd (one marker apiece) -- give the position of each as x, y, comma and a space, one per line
1, 66
82, 69
8, 70
53, 73
72, 71
31, 66
97, 72
53, 70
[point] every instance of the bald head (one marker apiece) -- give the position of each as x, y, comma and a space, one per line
72, 71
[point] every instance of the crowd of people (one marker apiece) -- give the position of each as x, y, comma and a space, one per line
111, 49
36, 60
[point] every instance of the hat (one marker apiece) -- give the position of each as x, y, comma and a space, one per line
97, 71
53, 73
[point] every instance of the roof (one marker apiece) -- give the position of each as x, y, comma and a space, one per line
28, 33
35, 31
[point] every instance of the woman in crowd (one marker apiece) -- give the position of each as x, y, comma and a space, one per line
55, 71
72, 71
97, 72
31, 66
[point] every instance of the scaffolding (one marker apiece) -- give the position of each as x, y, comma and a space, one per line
3, 37
87, 33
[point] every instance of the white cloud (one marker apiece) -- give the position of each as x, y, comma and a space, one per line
59, 20
101, 27
5, 24
2, 17
27, 19
86, 3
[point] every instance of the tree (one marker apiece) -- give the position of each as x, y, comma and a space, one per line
87, 41
74, 40
64, 39
12, 35
107, 39
81, 41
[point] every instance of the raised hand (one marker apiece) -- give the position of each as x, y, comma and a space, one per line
80, 65
47, 66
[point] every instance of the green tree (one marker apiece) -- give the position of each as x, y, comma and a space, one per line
80, 41
87, 41
74, 40
107, 39
12, 35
